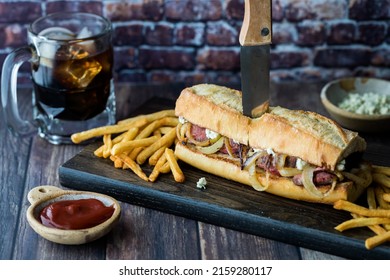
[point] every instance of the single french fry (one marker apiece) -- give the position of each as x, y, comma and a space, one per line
156, 155
165, 168
166, 140
360, 210
126, 146
362, 222
109, 129
156, 124
381, 169
107, 145
375, 228
164, 129
134, 153
176, 171
156, 170
133, 166
151, 117
118, 163
377, 240
126, 136
379, 192
99, 151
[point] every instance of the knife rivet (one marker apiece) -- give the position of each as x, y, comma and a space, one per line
264, 31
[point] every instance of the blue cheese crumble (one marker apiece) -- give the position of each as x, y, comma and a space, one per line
201, 184
367, 103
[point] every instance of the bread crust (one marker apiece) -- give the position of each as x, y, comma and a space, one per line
216, 108
280, 186
307, 135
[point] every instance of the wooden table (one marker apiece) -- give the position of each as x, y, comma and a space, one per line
142, 233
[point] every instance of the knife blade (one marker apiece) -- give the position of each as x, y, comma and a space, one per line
255, 39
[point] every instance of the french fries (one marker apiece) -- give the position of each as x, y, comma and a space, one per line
377, 216
176, 171
133, 141
167, 140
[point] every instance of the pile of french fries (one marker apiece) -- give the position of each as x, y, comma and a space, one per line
133, 141
377, 215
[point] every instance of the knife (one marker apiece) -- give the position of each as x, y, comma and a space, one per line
255, 39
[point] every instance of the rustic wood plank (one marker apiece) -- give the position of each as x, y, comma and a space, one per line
221, 243
143, 233
14, 153
307, 254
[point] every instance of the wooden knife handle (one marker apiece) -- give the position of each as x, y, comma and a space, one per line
257, 24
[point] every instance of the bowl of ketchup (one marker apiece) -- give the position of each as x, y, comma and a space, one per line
71, 217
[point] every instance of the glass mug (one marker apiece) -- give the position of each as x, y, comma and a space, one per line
71, 57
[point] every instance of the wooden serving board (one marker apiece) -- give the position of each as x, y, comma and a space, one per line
228, 204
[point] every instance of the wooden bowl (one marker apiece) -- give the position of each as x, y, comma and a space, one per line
334, 92
42, 196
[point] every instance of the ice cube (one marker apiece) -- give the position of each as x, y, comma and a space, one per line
82, 72
57, 33
46, 48
84, 33
88, 45
77, 52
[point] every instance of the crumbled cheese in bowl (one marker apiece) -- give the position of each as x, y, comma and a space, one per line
369, 103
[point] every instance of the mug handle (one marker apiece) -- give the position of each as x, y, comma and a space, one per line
9, 99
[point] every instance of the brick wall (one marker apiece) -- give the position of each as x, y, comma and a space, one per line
197, 40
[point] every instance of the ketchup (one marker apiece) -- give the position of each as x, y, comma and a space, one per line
76, 214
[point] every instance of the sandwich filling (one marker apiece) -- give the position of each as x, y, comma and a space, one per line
317, 180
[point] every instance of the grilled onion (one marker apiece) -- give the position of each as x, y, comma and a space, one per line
212, 149
251, 159
229, 147
253, 179
307, 180
181, 131
289, 171
250, 165
280, 161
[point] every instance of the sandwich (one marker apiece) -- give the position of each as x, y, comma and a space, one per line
295, 154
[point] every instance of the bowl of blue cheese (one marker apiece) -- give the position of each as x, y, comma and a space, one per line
360, 104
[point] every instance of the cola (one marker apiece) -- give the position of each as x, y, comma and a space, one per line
73, 85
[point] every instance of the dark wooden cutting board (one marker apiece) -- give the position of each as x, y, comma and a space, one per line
228, 204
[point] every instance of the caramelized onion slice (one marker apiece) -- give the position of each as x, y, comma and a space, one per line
289, 171
181, 131
251, 160
212, 149
229, 148
307, 180
254, 179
